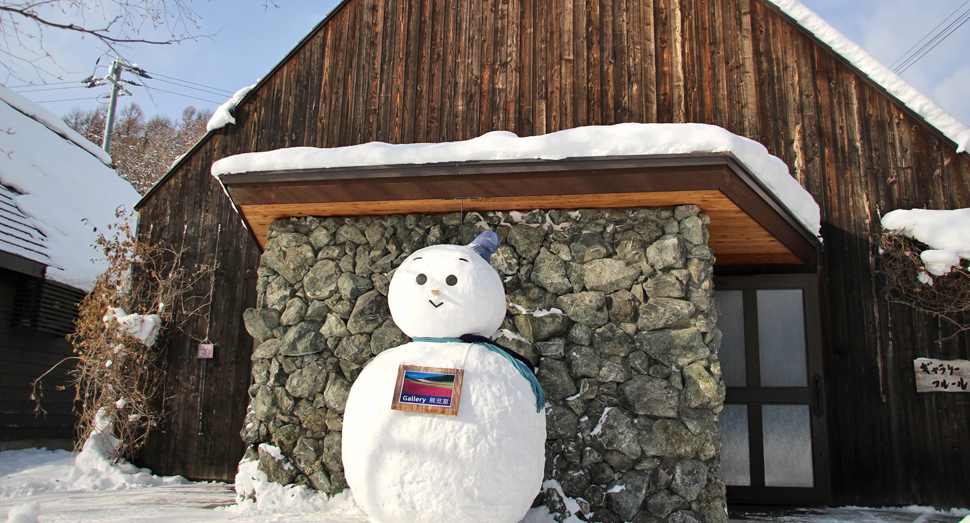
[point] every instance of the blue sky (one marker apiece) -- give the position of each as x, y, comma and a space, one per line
248, 40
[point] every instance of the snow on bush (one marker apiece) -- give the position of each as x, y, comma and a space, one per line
143, 327
946, 232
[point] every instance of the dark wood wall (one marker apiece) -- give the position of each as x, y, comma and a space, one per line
204, 400
25, 355
444, 70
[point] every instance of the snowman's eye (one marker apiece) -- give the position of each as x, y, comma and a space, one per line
451, 280
421, 279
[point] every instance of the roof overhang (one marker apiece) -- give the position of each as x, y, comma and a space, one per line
748, 224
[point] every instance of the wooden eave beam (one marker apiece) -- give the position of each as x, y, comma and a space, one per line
748, 225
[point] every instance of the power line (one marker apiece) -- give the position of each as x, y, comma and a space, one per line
933, 42
66, 100
52, 83
221, 91
217, 93
927, 35
184, 95
910, 58
46, 90
967, 18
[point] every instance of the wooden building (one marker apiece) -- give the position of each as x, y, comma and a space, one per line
35, 316
432, 71
50, 179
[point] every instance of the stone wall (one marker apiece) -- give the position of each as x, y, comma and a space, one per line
614, 306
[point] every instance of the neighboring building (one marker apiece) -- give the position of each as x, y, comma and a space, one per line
55, 188
857, 138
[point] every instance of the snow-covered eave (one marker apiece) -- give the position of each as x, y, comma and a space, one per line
912, 100
719, 182
22, 264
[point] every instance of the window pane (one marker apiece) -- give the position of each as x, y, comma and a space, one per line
731, 323
781, 335
735, 454
788, 446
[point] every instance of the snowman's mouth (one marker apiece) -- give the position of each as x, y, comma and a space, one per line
436, 305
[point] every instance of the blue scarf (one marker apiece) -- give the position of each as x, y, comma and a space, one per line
524, 366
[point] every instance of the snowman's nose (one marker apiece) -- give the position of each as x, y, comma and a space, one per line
434, 292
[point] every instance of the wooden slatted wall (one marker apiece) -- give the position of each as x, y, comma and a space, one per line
444, 70
25, 355
205, 399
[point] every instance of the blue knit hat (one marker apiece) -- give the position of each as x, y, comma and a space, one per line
485, 244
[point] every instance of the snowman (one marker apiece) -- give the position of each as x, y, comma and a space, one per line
448, 427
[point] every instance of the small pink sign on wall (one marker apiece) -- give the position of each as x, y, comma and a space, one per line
205, 350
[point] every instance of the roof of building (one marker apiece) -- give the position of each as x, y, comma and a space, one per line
57, 193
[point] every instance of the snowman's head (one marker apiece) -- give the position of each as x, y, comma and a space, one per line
445, 291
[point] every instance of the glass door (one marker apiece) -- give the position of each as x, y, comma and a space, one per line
773, 433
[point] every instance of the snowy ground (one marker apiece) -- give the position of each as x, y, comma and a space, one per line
41, 486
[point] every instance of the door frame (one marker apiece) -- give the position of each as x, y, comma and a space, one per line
813, 395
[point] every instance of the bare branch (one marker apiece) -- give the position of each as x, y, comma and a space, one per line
907, 283
117, 374
99, 33
114, 24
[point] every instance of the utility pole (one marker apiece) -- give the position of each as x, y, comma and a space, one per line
114, 76
117, 89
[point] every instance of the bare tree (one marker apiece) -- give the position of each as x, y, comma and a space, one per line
112, 23
142, 151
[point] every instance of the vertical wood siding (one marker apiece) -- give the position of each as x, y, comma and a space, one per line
205, 400
437, 70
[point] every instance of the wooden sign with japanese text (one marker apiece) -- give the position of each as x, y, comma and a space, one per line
942, 375
427, 389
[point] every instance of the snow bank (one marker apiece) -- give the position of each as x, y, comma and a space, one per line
31, 472
222, 116
94, 470
65, 187
256, 494
24, 513
615, 140
879, 73
946, 232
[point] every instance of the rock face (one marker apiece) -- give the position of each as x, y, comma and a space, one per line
615, 308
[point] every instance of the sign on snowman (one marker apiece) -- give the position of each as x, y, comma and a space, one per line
476, 456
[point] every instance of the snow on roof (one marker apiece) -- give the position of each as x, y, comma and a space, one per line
626, 139
17, 234
878, 73
63, 187
946, 232
52, 122
222, 116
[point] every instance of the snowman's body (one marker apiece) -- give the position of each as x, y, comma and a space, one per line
483, 465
